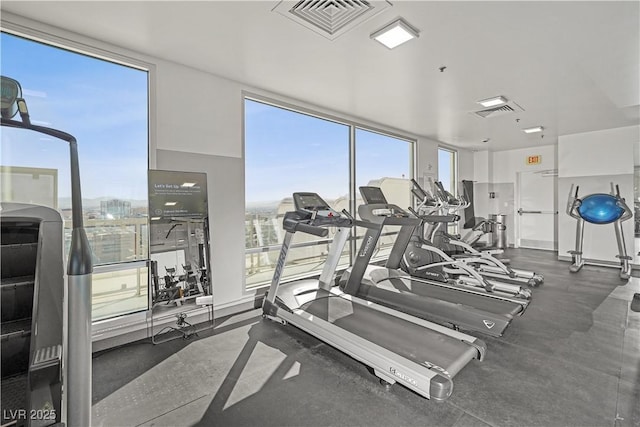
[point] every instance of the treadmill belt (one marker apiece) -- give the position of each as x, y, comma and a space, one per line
481, 302
416, 343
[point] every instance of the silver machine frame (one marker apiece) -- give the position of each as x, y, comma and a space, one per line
283, 304
75, 357
484, 261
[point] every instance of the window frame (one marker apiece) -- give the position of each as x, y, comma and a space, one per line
452, 228
454, 164
353, 125
58, 38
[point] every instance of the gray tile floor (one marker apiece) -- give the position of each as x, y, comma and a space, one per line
573, 359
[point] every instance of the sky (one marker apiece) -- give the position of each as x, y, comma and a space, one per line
444, 168
102, 104
286, 151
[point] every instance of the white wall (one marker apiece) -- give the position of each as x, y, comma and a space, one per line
603, 152
426, 160
481, 166
199, 113
593, 160
506, 164
466, 165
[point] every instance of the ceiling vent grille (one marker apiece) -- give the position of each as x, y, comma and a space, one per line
330, 18
499, 111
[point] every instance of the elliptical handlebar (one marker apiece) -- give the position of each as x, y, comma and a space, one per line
417, 188
426, 200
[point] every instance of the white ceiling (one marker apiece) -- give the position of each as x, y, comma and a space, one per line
573, 66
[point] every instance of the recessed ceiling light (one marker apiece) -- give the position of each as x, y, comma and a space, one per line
492, 102
155, 218
188, 184
170, 203
533, 129
395, 33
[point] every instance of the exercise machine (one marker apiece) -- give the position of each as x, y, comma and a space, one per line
483, 308
484, 262
599, 209
58, 373
420, 355
478, 227
445, 203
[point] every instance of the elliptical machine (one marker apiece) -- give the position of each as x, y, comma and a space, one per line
478, 227
423, 260
599, 209
484, 262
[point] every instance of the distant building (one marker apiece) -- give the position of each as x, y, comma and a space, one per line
115, 209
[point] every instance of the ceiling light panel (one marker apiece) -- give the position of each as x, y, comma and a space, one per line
395, 33
493, 102
533, 129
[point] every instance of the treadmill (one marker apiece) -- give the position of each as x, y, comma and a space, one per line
450, 304
418, 354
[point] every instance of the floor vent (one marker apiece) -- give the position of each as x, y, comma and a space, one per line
330, 18
499, 111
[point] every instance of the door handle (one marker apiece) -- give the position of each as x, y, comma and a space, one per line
522, 211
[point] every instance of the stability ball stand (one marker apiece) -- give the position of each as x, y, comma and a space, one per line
599, 209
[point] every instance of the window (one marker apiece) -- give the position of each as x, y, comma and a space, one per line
287, 151
383, 161
105, 106
448, 170
448, 175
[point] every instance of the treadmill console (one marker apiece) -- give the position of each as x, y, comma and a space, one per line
309, 201
373, 195
376, 204
313, 210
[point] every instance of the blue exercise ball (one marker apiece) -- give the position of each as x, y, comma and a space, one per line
600, 209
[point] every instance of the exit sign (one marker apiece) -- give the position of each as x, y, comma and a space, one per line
534, 160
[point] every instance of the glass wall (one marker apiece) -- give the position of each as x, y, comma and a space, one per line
105, 106
285, 152
386, 162
448, 175
288, 151
448, 169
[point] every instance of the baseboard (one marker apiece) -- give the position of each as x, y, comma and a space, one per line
133, 327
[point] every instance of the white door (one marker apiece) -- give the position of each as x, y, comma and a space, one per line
537, 211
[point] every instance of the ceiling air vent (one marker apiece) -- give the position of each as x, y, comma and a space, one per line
507, 108
330, 18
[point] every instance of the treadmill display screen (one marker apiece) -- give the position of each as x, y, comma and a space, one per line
309, 201
373, 195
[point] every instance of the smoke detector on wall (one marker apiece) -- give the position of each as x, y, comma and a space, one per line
330, 18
